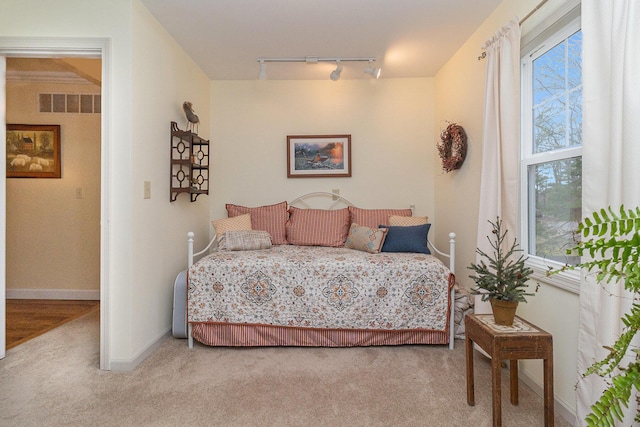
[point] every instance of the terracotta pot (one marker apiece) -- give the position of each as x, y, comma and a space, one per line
503, 311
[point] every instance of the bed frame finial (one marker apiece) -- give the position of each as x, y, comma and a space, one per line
190, 236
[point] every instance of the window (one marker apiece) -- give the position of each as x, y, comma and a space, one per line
551, 165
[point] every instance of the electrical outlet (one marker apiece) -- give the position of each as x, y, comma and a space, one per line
79, 193
335, 191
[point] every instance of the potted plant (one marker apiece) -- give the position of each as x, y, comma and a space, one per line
501, 277
612, 240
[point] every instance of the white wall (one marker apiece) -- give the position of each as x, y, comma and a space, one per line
163, 77
149, 77
390, 122
459, 89
53, 238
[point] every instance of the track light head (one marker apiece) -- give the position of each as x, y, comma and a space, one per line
335, 74
374, 72
263, 71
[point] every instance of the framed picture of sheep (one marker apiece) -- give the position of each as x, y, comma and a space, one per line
313, 156
33, 151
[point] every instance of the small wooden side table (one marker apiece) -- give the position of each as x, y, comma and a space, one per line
523, 340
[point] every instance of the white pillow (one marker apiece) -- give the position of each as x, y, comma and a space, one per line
244, 240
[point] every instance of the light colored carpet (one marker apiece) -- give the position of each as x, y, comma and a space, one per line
54, 380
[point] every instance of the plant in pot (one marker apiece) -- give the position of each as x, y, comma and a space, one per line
501, 277
612, 241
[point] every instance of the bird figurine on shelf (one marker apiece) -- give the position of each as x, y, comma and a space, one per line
192, 118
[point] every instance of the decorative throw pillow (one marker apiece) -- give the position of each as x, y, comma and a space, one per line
407, 239
404, 221
271, 218
365, 239
240, 222
373, 217
317, 227
244, 240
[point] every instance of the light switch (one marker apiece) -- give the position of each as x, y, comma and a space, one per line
147, 189
79, 193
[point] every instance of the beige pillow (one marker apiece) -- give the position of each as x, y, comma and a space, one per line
365, 239
236, 223
407, 221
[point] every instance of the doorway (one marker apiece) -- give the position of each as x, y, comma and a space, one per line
61, 48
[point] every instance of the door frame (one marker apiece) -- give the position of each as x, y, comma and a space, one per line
55, 48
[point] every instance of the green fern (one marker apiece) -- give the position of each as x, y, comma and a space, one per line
609, 407
612, 240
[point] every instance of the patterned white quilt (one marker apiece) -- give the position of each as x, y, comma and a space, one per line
320, 287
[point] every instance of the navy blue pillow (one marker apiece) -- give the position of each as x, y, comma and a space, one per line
406, 239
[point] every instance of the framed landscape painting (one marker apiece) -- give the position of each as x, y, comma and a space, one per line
33, 151
313, 156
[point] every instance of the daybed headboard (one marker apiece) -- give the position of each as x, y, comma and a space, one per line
337, 201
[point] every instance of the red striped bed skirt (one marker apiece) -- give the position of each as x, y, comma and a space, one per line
230, 335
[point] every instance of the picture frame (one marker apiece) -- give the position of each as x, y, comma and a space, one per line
33, 151
318, 156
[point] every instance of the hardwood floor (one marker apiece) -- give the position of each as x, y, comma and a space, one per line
27, 319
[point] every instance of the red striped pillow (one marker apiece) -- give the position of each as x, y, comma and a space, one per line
317, 227
373, 218
271, 218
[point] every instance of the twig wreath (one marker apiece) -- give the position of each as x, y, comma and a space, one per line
453, 147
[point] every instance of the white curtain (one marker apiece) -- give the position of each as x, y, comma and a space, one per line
611, 152
500, 137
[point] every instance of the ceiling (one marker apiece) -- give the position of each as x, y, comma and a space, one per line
55, 69
409, 38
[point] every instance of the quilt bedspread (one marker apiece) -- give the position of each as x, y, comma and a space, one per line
320, 287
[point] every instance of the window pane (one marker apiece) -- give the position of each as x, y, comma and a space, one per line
549, 71
549, 126
575, 118
555, 208
575, 60
557, 96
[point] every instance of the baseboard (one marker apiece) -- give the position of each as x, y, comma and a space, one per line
560, 406
130, 364
62, 294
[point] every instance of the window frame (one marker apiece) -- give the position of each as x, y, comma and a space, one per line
568, 280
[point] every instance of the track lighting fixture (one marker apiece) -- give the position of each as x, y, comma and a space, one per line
263, 71
375, 72
335, 74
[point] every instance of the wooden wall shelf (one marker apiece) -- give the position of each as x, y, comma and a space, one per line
189, 164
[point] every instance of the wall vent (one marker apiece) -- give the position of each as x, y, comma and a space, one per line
69, 103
